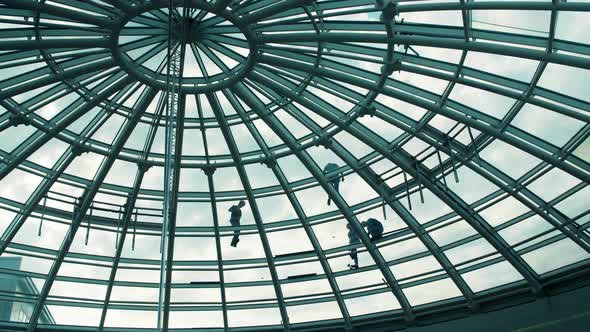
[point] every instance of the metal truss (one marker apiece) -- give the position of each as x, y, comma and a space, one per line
166, 69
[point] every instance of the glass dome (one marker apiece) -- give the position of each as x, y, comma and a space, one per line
130, 130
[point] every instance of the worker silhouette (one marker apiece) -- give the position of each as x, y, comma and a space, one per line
234, 220
374, 228
353, 239
334, 178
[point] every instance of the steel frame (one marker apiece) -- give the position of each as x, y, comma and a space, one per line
294, 45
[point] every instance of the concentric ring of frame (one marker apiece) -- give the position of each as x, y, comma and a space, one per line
464, 154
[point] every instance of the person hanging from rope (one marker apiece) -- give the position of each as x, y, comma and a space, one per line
374, 228
353, 239
234, 220
334, 178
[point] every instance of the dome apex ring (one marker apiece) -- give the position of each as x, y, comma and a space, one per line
190, 85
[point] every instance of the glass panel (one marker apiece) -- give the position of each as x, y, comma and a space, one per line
423, 294
554, 256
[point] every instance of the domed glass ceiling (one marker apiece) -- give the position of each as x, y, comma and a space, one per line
129, 130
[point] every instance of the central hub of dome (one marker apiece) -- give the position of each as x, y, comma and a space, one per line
189, 31
192, 34
217, 52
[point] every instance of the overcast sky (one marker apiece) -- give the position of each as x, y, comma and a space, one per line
195, 246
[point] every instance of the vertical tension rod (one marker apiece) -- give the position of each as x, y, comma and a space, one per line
42, 215
88, 224
407, 190
118, 224
419, 182
448, 143
134, 229
442, 170
475, 150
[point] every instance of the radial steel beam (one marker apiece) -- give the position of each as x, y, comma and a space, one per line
271, 163
529, 92
39, 138
62, 12
522, 194
381, 187
85, 204
274, 8
464, 154
438, 69
172, 201
408, 166
523, 97
217, 110
209, 170
32, 203
175, 106
384, 191
467, 16
473, 123
415, 29
517, 190
284, 183
50, 79
280, 130
129, 206
42, 189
